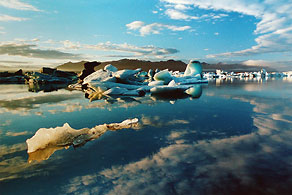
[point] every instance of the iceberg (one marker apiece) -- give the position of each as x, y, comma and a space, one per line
193, 68
164, 76
98, 75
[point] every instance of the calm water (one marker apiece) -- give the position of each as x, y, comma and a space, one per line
232, 138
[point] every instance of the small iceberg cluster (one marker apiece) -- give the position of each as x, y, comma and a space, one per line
110, 81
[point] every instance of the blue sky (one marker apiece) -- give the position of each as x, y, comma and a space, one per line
43, 32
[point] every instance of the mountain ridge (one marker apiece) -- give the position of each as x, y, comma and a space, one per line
169, 64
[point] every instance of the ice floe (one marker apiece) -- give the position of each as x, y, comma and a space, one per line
47, 140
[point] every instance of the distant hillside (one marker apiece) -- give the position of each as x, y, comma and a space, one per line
128, 64
170, 64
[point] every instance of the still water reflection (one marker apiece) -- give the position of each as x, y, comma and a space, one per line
233, 138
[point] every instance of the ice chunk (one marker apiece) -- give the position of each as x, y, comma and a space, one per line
98, 75
65, 136
110, 68
164, 76
150, 73
193, 68
43, 137
116, 91
125, 74
156, 83
172, 84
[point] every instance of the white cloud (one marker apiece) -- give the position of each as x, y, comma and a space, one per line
178, 15
71, 45
153, 28
216, 33
5, 18
51, 53
136, 50
16, 4
255, 62
31, 50
135, 25
273, 29
281, 65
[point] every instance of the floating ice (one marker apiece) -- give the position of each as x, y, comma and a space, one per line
98, 75
110, 68
137, 83
66, 136
164, 76
126, 74
156, 83
193, 68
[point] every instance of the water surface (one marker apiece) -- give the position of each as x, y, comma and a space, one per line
234, 137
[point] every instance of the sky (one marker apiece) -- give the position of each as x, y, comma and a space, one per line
51, 32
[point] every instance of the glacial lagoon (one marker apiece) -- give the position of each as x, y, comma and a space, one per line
232, 137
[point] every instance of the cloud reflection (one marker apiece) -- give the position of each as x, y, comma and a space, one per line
233, 165
255, 163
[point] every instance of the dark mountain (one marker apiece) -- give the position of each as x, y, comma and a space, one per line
170, 64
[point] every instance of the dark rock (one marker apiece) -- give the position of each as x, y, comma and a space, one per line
5, 74
46, 70
57, 73
66, 74
18, 73
88, 69
12, 79
16, 77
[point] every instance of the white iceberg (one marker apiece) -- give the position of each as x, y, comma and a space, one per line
164, 76
98, 75
126, 74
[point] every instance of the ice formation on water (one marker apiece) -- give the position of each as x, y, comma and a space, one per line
164, 76
109, 82
193, 68
49, 140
